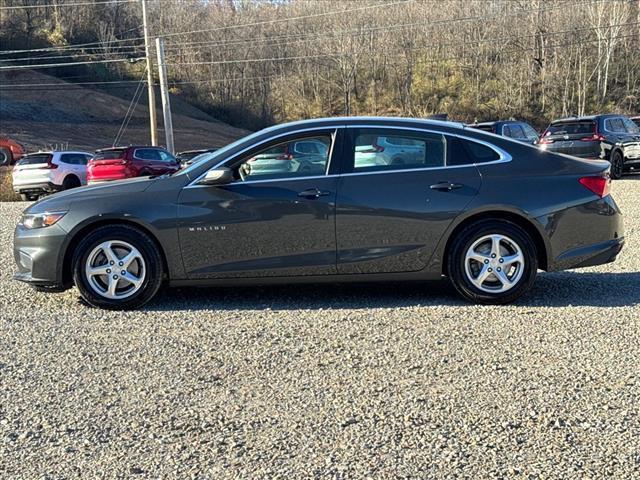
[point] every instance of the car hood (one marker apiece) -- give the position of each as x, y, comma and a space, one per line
90, 193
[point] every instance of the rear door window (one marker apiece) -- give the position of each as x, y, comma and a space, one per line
615, 125
387, 149
74, 158
150, 154
529, 131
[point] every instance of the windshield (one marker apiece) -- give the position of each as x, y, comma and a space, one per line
219, 154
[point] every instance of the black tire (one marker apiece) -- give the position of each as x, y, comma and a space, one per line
6, 157
145, 245
70, 181
466, 238
617, 165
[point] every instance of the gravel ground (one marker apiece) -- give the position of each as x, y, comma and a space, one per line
384, 381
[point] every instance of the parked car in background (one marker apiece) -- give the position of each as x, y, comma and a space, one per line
187, 157
520, 131
41, 173
606, 137
636, 120
10, 152
118, 163
471, 211
305, 156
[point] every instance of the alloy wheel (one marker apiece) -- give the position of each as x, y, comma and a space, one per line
494, 263
115, 269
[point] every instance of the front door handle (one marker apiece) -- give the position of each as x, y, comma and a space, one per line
313, 193
445, 186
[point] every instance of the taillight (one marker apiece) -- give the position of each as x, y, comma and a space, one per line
50, 164
545, 141
286, 155
596, 137
599, 185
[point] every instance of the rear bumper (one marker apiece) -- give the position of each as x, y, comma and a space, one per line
38, 187
585, 235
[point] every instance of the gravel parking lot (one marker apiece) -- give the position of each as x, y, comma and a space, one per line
379, 381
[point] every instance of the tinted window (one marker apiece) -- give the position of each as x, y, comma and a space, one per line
34, 159
569, 128
529, 131
74, 158
517, 132
166, 156
306, 147
285, 160
109, 154
630, 126
636, 121
615, 125
484, 128
379, 149
147, 154
466, 152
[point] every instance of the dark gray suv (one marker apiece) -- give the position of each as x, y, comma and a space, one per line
608, 137
483, 210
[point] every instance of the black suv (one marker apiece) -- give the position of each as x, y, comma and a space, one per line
521, 131
610, 137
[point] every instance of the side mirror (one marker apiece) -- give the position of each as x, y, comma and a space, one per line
218, 176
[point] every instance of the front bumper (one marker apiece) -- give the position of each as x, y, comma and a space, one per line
38, 255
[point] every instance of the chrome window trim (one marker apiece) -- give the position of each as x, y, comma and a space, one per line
194, 183
505, 157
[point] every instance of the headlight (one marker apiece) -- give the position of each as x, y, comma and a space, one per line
40, 220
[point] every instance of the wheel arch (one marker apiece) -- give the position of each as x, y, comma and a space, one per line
542, 246
71, 175
85, 229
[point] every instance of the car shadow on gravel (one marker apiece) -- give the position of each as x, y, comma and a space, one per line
561, 289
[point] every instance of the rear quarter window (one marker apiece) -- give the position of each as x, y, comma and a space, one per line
467, 152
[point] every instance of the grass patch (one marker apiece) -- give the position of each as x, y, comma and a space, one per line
6, 188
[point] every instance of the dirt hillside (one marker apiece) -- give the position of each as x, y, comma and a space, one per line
65, 116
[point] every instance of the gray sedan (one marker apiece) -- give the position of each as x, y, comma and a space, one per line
485, 211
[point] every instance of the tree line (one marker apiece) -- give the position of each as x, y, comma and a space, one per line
254, 63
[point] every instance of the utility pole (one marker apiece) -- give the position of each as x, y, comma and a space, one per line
164, 93
152, 99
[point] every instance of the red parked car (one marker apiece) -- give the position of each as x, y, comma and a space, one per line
128, 162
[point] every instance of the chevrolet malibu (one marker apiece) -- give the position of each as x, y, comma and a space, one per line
483, 210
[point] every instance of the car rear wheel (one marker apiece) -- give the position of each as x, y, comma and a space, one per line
617, 165
492, 262
5, 156
70, 181
117, 267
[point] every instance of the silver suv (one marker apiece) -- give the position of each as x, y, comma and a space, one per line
41, 173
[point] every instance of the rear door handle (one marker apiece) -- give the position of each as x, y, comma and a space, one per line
313, 193
445, 186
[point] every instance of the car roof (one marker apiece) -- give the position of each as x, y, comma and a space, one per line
586, 118
130, 146
53, 152
318, 122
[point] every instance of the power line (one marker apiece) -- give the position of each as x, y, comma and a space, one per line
107, 2
135, 99
219, 80
227, 27
55, 65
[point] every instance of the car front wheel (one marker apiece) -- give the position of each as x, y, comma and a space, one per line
492, 262
117, 267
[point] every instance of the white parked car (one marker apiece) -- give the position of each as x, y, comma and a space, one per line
41, 173
373, 151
